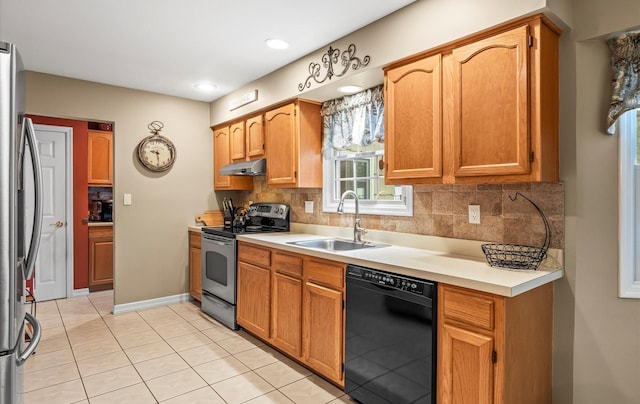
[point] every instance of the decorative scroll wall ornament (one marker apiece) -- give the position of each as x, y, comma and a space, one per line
330, 59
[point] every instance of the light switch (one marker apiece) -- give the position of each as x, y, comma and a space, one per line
126, 199
308, 206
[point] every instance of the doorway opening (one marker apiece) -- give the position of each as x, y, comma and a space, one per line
89, 265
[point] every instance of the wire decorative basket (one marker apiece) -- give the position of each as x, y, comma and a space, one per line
515, 256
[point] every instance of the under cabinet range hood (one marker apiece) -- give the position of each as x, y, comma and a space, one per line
252, 167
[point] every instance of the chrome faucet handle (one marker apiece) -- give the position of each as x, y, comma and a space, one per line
358, 231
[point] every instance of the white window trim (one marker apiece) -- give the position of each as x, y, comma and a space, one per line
386, 208
628, 219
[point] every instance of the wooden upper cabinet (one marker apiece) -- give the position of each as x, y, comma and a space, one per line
221, 157
254, 133
100, 158
293, 142
490, 116
490, 99
237, 142
413, 138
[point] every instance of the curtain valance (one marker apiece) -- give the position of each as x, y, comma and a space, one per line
354, 119
625, 63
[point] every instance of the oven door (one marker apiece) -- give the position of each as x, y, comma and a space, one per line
219, 267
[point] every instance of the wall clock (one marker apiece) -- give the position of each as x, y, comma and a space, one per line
156, 152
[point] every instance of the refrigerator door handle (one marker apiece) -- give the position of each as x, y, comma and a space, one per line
30, 259
35, 339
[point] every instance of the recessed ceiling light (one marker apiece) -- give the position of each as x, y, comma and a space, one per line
350, 89
277, 44
205, 86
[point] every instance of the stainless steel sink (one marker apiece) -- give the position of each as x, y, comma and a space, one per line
335, 244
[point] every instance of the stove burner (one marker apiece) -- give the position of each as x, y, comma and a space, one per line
253, 228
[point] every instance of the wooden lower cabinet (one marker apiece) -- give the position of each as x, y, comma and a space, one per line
494, 349
322, 331
254, 297
296, 305
100, 258
287, 313
195, 265
468, 362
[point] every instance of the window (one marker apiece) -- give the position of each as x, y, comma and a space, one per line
628, 128
353, 150
358, 168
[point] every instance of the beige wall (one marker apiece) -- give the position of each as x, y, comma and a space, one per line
597, 334
151, 251
420, 26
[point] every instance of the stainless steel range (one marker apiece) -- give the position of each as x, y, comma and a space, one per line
219, 258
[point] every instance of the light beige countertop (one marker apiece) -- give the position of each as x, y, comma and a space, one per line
100, 224
452, 261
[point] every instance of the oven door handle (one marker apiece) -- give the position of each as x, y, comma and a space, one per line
220, 243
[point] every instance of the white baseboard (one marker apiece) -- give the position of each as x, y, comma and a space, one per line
80, 292
148, 304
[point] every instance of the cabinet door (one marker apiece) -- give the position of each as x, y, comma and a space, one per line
413, 142
195, 277
322, 332
237, 142
254, 298
254, 133
466, 367
490, 114
281, 146
195, 266
287, 313
100, 259
221, 157
100, 158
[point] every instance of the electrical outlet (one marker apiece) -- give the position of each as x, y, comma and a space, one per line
126, 200
308, 206
474, 214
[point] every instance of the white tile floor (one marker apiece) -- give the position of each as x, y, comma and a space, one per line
171, 354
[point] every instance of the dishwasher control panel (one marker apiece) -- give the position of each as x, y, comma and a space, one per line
408, 284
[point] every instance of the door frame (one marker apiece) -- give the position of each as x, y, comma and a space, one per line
68, 178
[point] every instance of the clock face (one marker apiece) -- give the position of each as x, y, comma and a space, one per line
156, 153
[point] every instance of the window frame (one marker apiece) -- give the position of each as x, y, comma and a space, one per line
628, 207
403, 207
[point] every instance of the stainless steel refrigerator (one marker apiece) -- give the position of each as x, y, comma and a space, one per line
18, 245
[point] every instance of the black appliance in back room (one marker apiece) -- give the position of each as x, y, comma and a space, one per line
100, 204
219, 254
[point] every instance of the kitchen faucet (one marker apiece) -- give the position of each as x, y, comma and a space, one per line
357, 230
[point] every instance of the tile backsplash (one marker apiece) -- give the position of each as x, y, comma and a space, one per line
442, 210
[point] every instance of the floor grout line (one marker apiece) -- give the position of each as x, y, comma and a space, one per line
67, 309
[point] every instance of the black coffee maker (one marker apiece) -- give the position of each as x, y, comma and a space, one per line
107, 209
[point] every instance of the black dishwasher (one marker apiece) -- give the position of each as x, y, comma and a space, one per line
390, 353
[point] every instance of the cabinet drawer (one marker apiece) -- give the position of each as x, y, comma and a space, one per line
287, 264
253, 254
100, 231
468, 307
195, 239
327, 273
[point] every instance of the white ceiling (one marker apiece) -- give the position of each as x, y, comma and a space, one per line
167, 46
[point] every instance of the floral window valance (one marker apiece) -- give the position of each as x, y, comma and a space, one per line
625, 61
356, 119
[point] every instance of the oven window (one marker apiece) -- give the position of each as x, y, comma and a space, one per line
216, 269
